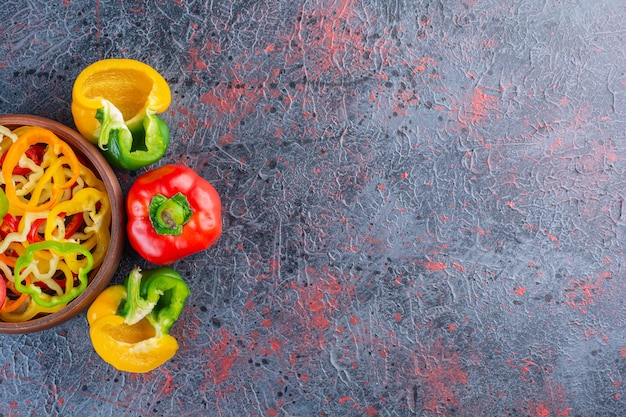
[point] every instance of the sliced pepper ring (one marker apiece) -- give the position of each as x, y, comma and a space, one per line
30, 137
77, 258
96, 205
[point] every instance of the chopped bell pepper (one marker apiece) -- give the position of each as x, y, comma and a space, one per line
129, 323
3, 292
72, 259
4, 204
31, 310
96, 206
63, 156
115, 103
172, 213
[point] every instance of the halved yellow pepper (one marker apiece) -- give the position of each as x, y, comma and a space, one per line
137, 340
134, 88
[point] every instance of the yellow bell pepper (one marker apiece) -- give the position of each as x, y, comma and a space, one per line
115, 103
129, 323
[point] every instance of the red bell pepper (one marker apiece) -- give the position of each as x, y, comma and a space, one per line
172, 213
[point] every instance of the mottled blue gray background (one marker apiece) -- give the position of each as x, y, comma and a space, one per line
422, 202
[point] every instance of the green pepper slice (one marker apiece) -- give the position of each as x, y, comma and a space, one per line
78, 259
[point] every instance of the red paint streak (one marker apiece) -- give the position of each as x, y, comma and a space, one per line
481, 104
221, 357
233, 101
581, 293
319, 321
276, 344
321, 297
520, 291
423, 63
434, 266
197, 63
459, 267
331, 40
227, 139
190, 123
370, 411
477, 108
542, 411
168, 385
622, 352
442, 373
552, 403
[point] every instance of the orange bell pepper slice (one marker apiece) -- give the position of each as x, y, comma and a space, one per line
53, 174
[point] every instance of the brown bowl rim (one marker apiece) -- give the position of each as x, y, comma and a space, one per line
101, 279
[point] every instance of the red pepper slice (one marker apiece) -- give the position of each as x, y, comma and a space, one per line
73, 225
172, 213
33, 234
9, 224
34, 152
59, 281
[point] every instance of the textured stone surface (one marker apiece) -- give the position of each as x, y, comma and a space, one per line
422, 205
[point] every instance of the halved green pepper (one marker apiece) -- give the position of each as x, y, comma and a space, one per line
131, 147
130, 323
157, 294
69, 257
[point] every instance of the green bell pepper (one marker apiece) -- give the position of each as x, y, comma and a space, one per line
69, 257
157, 294
131, 147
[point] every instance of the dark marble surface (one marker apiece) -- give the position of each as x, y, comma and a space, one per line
422, 206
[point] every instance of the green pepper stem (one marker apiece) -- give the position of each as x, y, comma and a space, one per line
135, 307
169, 215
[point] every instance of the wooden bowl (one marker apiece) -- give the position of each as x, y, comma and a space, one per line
100, 277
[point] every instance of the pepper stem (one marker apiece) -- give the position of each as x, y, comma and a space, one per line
169, 215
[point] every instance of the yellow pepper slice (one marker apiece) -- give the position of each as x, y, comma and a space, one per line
31, 310
97, 209
133, 88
